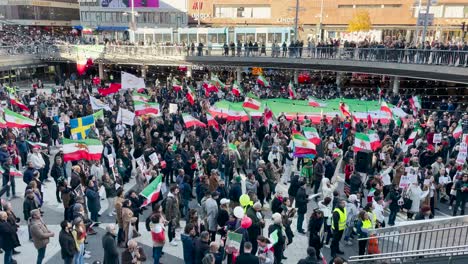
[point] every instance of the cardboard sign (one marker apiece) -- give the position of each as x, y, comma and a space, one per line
437, 138
404, 182
110, 158
141, 163
52, 111
61, 126
154, 158
461, 157
173, 108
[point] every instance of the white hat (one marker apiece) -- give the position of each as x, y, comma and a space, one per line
225, 201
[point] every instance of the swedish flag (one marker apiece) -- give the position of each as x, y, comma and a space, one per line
80, 126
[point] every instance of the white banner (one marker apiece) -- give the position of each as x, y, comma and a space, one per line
125, 116
97, 104
130, 81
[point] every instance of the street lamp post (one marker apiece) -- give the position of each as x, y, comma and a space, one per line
296, 20
426, 21
133, 21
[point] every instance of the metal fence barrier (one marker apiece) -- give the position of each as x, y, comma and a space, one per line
416, 239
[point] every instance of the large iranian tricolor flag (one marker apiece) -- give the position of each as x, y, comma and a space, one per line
217, 82
191, 121
87, 149
251, 103
344, 108
152, 191
374, 140
263, 81
13, 172
312, 135
411, 138
291, 91
15, 120
228, 113
384, 108
362, 142
146, 108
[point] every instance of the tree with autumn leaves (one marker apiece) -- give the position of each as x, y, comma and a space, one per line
360, 22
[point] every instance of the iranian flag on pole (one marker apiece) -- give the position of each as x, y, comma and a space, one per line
15, 120
212, 122
303, 148
415, 103
152, 192
362, 142
374, 140
17, 102
210, 87
384, 108
268, 117
217, 82
140, 97
251, 103
312, 135
191, 121
176, 85
229, 114
458, 131
190, 95
261, 80
291, 91
146, 108
236, 89
87, 149
411, 137
345, 109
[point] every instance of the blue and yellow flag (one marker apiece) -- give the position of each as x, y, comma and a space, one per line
80, 126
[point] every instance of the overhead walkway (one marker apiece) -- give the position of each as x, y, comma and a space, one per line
433, 241
439, 65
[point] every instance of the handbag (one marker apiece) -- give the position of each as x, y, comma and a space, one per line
407, 202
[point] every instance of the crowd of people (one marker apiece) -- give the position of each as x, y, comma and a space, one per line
204, 178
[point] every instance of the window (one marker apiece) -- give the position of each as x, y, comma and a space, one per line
158, 38
157, 18
243, 11
183, 38
202, 38
454, 12
192, 38
250, 37
221, 38
213, 37
167, 37
261, 37
241, 37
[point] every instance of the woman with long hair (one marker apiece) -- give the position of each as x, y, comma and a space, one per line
363, 227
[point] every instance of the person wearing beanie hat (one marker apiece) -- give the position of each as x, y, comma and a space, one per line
278, 247
424, 213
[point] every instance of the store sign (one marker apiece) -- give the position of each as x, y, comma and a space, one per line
286, 20
201, 16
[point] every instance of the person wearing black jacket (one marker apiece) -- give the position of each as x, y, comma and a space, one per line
201, 246
257, 224
111, 254
292, 191
393, 197
28, 174
58, 171
247, 256
355, 183
8, 238
301, 205
67, 242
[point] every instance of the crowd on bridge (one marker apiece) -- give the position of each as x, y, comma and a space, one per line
219, 177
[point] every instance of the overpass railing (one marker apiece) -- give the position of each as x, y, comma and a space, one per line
457, 58
442, 238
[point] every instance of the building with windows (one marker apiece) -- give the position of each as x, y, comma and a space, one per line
112, 19
330, 18
39, 12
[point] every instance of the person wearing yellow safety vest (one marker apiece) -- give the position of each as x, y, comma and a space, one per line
363, 226
369, 208
338, 227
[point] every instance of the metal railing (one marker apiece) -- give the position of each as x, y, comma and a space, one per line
405, 56
416, 239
